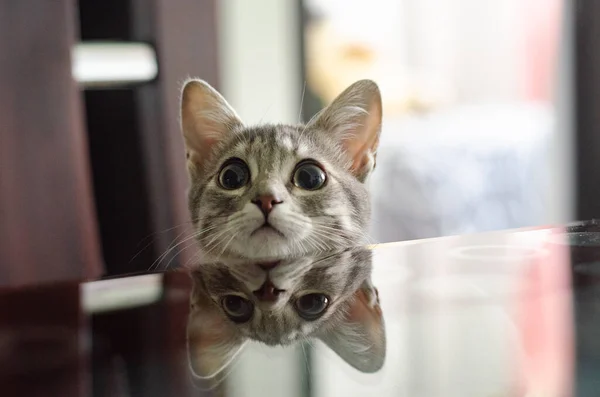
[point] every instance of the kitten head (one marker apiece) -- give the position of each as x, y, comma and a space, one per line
279, 190
329, 297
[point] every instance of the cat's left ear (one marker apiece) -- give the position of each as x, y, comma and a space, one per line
360, 339
212, 340
206, 120
353, 120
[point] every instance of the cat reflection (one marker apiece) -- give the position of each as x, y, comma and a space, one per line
329, 297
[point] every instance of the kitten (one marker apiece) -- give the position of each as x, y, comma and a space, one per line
272, 191
329, 297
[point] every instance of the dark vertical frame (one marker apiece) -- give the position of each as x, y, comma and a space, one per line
185, 35
586, 14
587, 111
47, 223
141, 182
135, 142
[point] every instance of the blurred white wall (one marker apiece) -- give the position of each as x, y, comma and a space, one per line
260, 58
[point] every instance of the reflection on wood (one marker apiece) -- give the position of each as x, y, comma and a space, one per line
41, 342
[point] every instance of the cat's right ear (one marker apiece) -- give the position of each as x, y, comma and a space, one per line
206, 119
212, 341
353, 122
360, 338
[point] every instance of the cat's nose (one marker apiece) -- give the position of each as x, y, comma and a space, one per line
266, 203
267, 292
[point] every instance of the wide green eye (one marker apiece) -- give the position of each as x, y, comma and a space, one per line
309, 176
238, 309
234, 174
312, 306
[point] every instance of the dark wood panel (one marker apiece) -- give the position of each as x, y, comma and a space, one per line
43, 354
185, 35
176, 305
47, 224
150, 343
145, 208
120, 186
120, 163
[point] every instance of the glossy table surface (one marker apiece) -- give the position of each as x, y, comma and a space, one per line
513, 313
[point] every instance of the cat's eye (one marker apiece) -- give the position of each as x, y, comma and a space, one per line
238, 309
309, 176
312, 306
234, 174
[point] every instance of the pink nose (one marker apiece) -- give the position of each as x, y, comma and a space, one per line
266, 203
268, 292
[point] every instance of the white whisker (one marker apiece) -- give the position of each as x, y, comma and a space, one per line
301, 102
194, 235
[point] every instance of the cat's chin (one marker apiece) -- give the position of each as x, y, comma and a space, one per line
266, 233
264, 244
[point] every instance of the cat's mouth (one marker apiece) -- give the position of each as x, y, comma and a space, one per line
266, 228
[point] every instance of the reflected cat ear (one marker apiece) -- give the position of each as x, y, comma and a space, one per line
206, 119
212, 340
354, 120
360, 338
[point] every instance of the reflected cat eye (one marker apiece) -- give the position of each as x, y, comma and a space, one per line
309, 176
234, 174
311, 306
238, 309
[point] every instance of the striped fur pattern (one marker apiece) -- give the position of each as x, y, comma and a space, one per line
352, 325
312, 234
342, 140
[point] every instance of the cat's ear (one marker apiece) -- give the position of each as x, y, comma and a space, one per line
354, 120
206, 119
212, 340
360, 338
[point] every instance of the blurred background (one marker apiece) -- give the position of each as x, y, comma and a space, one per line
490, 119
470, 91
479, 127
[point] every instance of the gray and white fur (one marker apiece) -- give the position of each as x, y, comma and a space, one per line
314, 234
352, 324
342, 140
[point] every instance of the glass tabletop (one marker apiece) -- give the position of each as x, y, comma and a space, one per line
513, 313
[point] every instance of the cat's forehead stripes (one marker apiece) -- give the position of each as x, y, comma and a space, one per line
266, 140
274, 145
